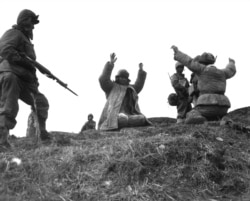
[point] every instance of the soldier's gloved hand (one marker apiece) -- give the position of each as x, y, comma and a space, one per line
141, 66
51, 77
174, 48
13, 58
20, 60
22, 54
113, 58
231, 60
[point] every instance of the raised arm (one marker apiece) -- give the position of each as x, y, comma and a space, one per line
230, 69
141, 77
104, 80
187, 61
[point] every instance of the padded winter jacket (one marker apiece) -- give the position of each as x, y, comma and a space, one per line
12, 43
211, 80
115, 94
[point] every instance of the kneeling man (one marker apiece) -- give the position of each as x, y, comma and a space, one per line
121, 109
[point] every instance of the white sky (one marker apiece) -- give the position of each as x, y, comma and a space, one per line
75, 38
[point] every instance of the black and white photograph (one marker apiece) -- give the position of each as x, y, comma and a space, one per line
124, 100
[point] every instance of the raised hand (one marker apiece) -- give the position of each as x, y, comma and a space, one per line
231, 60
113, 58
140, 66
174, 48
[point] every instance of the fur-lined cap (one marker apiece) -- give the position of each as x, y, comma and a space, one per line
207, 58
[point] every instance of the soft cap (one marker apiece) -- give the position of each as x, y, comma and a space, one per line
123, 73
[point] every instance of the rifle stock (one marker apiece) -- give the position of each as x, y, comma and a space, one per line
45, 71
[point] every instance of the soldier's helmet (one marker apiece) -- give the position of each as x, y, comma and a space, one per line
25, 14
90, 116
178, 65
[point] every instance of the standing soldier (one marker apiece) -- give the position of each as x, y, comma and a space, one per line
181, 85
18, 78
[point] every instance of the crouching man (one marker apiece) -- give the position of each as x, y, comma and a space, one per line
121, 109
90, 124
212, 104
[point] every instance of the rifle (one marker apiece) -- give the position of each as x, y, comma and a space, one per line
45, 71
169, 77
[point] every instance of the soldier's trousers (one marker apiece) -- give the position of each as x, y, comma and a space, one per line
183, 107
12, 88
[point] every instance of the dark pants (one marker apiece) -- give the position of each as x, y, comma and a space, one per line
12, 89
212, 112
183, 107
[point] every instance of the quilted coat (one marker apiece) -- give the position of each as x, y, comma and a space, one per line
115, 94
211, 80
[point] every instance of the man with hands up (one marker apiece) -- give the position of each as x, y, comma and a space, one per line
121, 108
212, 103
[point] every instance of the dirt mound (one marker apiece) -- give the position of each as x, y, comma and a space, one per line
162, 162
162, 120
241, 115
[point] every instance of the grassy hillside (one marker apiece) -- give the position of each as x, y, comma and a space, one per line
166, 162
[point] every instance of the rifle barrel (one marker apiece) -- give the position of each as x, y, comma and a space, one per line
44, 70
71, 91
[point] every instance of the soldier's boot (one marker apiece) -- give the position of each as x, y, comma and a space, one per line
4, 143
44, 134
194, 117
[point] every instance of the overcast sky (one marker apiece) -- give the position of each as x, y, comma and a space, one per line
74, 40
